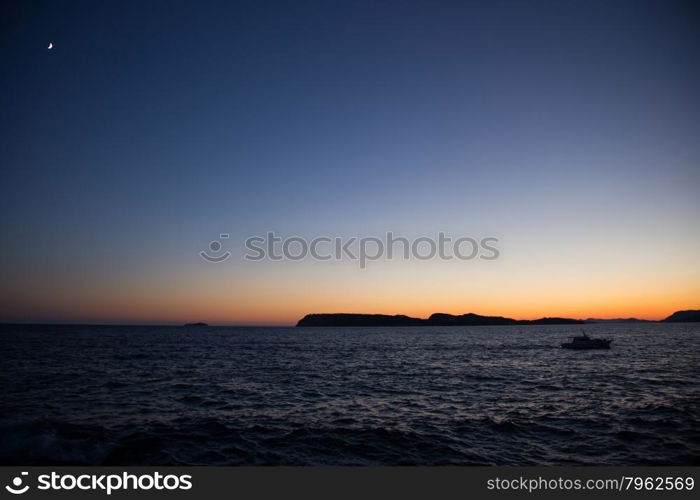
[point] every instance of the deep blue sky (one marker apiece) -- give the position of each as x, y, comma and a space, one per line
152, 127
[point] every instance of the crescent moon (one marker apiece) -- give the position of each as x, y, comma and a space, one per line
50, 46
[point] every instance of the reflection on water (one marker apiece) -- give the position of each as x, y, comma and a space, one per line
434, 395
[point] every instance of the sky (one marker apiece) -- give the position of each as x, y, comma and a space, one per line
566, 129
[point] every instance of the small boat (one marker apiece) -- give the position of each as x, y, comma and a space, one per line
586, 342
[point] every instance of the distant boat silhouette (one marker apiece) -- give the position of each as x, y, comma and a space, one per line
585, 342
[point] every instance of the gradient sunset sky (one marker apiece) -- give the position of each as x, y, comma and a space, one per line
569, 130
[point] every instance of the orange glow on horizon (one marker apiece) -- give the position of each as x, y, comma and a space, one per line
280, 309
282, 294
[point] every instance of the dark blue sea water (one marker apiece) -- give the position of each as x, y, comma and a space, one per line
352, 396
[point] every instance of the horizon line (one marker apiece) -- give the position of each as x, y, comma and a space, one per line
127, 322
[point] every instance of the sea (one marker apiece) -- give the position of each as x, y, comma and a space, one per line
488, 395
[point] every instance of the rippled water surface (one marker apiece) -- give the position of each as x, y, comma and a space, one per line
352, 396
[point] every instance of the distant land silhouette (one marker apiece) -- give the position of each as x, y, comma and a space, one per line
691, 316
437, 319
469, 319
442, 319
199, 323
617, 320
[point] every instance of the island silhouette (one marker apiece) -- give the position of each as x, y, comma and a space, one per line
437, 319
469, 319
692, 316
